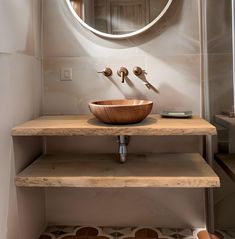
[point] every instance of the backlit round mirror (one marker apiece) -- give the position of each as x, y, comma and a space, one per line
118, 18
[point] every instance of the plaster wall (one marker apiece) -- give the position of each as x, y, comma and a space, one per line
20, 100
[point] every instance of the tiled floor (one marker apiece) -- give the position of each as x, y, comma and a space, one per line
77, 232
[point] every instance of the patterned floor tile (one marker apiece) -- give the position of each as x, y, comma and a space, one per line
79, 232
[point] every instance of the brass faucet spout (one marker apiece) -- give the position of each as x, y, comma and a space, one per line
122, 76
123, 72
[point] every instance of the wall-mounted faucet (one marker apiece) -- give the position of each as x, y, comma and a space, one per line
106, 72
122, 72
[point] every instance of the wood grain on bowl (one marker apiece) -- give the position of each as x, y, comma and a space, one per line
123, 111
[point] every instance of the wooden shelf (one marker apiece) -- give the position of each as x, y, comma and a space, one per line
227, 162
151, 170
88, 125
224, 120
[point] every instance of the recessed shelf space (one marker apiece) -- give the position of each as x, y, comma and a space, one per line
103, 170
227, 162
88, 125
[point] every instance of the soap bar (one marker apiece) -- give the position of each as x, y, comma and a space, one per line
177, 114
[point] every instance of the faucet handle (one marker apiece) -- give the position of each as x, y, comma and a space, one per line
106, 72
137, 71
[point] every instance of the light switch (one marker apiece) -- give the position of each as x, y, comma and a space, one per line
66, 74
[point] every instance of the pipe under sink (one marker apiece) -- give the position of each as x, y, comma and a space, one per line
123, 142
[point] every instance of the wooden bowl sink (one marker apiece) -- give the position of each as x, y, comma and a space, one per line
123, 111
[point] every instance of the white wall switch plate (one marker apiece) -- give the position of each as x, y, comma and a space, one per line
66, 74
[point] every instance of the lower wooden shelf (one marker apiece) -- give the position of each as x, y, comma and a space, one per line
104, 170
227, 162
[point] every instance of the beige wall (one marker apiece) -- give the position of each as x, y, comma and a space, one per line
20, 100
170, 54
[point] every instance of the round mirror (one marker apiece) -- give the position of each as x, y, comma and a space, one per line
118, 18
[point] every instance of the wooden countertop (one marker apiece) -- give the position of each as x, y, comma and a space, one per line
88, 125
104, 170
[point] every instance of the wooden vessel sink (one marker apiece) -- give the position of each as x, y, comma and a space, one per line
123, 111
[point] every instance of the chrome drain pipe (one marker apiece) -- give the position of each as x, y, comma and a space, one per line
123, 142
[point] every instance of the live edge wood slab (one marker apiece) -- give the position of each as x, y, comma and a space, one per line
104, 170
88, 125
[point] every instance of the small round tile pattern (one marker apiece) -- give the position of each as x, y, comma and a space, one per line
78, 232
